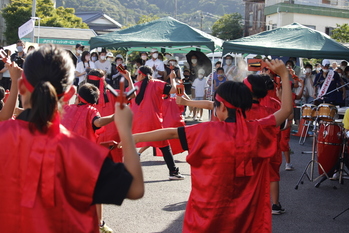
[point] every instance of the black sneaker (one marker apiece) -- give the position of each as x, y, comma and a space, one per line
176, 175
277, 209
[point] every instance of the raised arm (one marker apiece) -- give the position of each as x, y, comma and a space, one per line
123, 120
173, 82
278, 67
9, 107
206, 104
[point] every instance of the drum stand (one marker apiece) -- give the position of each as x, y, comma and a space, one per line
305, 130
312, 162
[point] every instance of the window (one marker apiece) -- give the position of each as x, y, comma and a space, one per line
310, 26
259, 14
250, 23
328, 30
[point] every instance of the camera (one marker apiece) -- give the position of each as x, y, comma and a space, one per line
19, 61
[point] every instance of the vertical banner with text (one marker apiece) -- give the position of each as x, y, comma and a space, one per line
26, 28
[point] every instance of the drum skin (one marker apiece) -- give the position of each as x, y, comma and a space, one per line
329, 145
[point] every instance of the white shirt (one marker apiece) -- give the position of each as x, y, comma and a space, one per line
159, 66
199, 85
229, 71
81, 68
105, 66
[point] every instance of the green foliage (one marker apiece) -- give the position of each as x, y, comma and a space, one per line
228, 27
19, 12
341, 33
147, 18
129, 12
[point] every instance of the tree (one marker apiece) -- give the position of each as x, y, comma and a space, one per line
147, 18
19, 12
228, 27
341, 33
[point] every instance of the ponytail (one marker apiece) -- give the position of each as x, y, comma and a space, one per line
44, 102
147, 71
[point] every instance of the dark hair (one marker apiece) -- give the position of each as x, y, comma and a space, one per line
218, 62
148, 72
83, 55
2, 96
268, 82
237, 94
308, 65
259, 88
220, 68
98, 73
50, 71
140, 61
346, 69
290, 61
94, 53
89, 92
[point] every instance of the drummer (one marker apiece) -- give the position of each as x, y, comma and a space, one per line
326, 81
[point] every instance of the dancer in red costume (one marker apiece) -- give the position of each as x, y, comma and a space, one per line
264, 105
229, 193
84, 119
148, 113
106, 107
48, 184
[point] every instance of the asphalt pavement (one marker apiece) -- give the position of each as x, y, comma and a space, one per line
308, 209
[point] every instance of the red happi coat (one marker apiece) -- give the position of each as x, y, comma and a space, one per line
110, 132
173, 117
78, 119
148, 115
267, 106
230, 178
47, 181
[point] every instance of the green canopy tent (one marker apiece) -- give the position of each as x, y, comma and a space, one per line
294, 40
165, 34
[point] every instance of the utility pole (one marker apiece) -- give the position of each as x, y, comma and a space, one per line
175, 9
33, 16
201, 18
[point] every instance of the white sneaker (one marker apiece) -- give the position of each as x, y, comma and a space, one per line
289, 167
335, 176
105, 229
176, 175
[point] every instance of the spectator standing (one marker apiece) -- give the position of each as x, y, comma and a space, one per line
6, 80
308, 78
103, 63
156, 64
115, 74
78, 52
83, 67
19, 55
198, 91
229, 67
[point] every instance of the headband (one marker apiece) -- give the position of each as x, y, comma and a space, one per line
226, 103
30, 87
82, 100
140, 72
101, 87
248, 84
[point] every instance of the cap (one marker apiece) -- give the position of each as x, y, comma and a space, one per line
79, 45
201, 71
119, 56
325, 62
172, 58
153, 50
110, 54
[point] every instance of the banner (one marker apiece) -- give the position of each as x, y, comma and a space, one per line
26, 28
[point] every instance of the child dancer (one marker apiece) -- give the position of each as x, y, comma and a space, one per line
48, 184
84, 119
148, 113
230, 176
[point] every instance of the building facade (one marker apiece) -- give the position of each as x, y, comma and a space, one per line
321, 15
254, 17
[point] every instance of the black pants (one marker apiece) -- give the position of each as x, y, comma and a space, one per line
168, 157
6, 83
